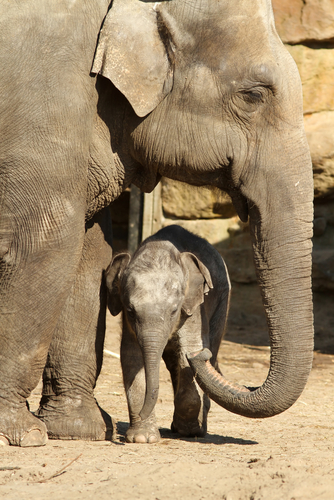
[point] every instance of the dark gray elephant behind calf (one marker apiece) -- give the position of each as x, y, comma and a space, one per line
174, 293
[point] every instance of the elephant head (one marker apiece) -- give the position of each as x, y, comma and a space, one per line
213, 97
152, 289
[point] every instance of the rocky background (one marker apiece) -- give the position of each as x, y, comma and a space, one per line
307, 29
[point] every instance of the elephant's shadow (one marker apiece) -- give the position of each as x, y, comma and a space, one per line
208, 439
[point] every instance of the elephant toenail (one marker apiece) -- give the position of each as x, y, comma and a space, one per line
4, 441
34, 438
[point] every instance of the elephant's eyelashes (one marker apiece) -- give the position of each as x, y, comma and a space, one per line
130, 312
250, 99
255, 96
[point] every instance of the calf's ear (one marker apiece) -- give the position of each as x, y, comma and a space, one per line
131, 54
113, 275
199, 282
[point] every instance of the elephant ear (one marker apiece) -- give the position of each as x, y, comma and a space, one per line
199, 282
131, 54
113, 275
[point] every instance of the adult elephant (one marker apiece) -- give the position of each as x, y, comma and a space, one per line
199, 91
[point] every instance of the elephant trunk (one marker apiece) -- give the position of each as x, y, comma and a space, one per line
152, 354
281, 230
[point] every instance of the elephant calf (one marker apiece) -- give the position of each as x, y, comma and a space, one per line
174, 293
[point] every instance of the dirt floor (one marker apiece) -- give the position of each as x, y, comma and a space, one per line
290, 456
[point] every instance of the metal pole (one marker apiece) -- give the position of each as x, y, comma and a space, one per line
135, 218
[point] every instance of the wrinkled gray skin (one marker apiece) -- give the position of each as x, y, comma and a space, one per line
174, 293
199, 91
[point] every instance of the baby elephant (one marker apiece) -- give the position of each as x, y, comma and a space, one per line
174, 293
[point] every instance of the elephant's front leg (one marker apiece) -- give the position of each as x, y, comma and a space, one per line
140, 431
191, 405
68, 407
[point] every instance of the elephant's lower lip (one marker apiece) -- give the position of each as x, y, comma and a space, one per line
193, 354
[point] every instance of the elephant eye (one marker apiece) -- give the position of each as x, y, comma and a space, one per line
254, 95
257, 94
130, 312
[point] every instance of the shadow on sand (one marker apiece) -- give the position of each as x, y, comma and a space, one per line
167, 434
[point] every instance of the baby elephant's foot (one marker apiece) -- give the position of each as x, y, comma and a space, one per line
144, 431
189, 428
190, 413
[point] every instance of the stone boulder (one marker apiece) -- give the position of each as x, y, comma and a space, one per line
304, 20
316, 69
319, 129
184, 201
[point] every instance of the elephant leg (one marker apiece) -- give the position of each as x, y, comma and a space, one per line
140, 431
74, 360
21, 365
191, 405
37, 262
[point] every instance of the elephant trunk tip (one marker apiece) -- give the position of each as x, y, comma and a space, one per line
202, 355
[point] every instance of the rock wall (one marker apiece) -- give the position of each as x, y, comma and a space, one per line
307, 29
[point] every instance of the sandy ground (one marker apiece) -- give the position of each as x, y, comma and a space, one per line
290, 456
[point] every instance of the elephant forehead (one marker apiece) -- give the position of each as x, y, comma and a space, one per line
222, 35
152, 286
236, 48
216, 21
208, 9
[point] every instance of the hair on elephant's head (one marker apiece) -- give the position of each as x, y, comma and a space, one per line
213, 97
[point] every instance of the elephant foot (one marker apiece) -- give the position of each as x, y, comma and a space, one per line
21, 428
144, 431
67, 418
190, 413
189, 428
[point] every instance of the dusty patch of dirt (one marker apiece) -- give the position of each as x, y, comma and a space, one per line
290, 456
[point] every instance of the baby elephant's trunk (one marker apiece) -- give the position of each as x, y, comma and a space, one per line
152, 353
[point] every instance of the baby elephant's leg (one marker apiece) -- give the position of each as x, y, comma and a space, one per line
191, 405
140, 431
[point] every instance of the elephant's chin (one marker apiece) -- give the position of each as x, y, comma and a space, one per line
240, 204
